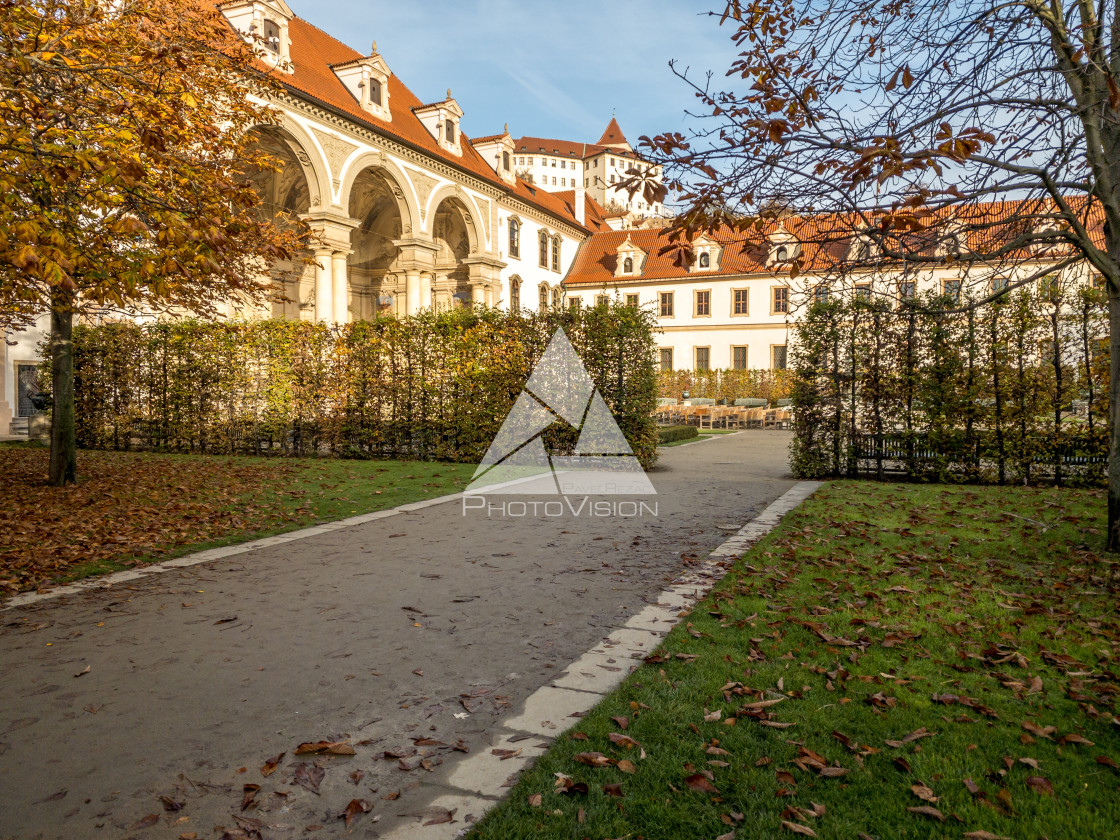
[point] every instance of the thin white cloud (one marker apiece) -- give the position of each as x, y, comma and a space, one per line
554, 69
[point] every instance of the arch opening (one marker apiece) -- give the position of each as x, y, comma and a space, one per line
377, 282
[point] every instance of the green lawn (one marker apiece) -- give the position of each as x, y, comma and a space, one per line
132, 508
893, 661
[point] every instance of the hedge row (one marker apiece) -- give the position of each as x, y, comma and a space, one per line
1014, 392
433, 386
671, 434
728, 384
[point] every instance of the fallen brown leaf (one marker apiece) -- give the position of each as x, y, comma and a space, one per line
927, 811
699, 783
269, 767
356, 808
798, 828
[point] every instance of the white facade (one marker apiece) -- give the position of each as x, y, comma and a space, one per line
711, 322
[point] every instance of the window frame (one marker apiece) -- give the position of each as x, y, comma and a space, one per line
513, 230
542, 248
515, 294
785, 354
632, 300
746, 356
696, 293
554, 252
774, 290
661, 352
746, 292
662, 298
707, 348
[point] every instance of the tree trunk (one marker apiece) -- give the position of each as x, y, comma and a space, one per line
64, 445
1113, 416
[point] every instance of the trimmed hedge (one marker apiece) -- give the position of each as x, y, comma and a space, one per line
433, 386
671, 434
726, 384
981, 396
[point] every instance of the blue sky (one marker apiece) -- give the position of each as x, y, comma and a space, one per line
548, 69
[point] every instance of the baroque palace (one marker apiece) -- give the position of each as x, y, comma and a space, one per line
412, 214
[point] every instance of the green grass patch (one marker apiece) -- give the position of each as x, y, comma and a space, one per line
887, 648
130, 508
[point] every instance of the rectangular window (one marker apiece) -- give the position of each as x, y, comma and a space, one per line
666, 358
554, 163
740, 302
602, 300
563, 182
554, 180
612, 179
703, 303
574, 302
999, 284
585, 183
530, 161
907, 289
863, 291
952, 290
556, 253
780, 301
543, 250
666, 301
739, 358
778, 356
505, 161
820, 293
703, 358
632, 300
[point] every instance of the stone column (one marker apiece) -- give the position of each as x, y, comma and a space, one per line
426, 290
479, 294
412, 295
332, 230
341, 288
324, 293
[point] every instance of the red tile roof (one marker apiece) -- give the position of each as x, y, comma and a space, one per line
565, 148
824, 241
313, 52
594, 215
613, 134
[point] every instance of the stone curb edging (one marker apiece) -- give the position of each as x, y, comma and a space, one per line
480, 782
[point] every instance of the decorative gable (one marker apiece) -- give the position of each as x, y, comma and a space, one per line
784, 247
498, 152
630, 259
442, 121
264, 24
706, 254
367, 79
862, 247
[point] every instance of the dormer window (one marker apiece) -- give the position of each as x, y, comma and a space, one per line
367, 79
272, 36
442, 121
264, 25
784, 247
706, 254
505, 161
630, 259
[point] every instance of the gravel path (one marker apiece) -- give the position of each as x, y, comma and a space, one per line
433, 624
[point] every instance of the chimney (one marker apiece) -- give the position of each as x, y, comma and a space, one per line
580, 202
